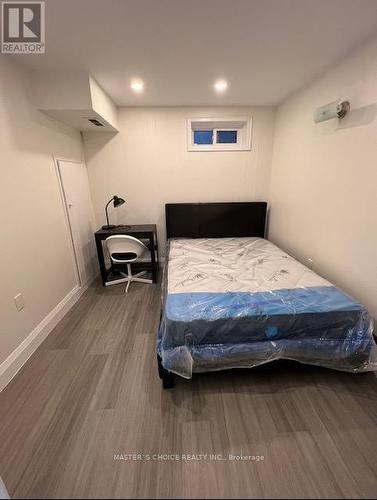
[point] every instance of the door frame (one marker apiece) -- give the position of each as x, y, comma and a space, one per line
75, 262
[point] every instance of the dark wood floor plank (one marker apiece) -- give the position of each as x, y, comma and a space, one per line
61, 431
91, 392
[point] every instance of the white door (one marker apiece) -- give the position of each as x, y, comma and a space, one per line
79, 209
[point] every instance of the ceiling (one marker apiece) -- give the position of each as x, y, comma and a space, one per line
265, 49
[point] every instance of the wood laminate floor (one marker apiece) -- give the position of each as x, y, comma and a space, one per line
91, 391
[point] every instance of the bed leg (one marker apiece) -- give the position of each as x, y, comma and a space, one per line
166, 376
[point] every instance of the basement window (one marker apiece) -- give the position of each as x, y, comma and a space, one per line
228, 134
203, 137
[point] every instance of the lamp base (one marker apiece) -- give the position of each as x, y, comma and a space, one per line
110, 226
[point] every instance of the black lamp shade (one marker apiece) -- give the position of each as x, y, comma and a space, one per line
118, 201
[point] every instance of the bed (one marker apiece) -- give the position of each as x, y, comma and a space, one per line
232, 299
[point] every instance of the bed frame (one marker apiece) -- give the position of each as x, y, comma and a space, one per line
212, 220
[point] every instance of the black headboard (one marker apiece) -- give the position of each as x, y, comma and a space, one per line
215, 220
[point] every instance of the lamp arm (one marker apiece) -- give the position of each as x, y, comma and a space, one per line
107, 215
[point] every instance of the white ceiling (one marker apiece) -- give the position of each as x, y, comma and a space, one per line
265, 49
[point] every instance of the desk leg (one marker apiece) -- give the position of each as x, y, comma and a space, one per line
153, 259
101, 261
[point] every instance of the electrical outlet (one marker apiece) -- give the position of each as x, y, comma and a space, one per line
19, 301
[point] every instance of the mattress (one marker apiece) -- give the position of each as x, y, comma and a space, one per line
242, 302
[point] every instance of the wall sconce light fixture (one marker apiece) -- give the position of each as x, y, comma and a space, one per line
336, 109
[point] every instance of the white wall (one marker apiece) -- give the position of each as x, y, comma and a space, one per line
61, 90
102, 104
148, 164
35, 252
324, 177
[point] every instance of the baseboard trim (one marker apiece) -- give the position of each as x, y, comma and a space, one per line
15, 361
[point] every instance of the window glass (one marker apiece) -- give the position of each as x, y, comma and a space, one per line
226, 137
203, 136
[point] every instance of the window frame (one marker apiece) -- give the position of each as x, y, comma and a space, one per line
243, 126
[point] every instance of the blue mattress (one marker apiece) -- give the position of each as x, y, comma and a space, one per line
241, 302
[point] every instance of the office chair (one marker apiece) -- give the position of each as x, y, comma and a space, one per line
124, 249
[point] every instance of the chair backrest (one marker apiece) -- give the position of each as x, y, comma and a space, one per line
131, 248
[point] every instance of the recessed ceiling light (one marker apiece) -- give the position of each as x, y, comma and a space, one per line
221, 86
137, 86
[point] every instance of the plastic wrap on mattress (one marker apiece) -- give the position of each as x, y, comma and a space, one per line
242, 302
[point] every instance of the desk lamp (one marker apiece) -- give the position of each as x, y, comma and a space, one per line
117, 203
